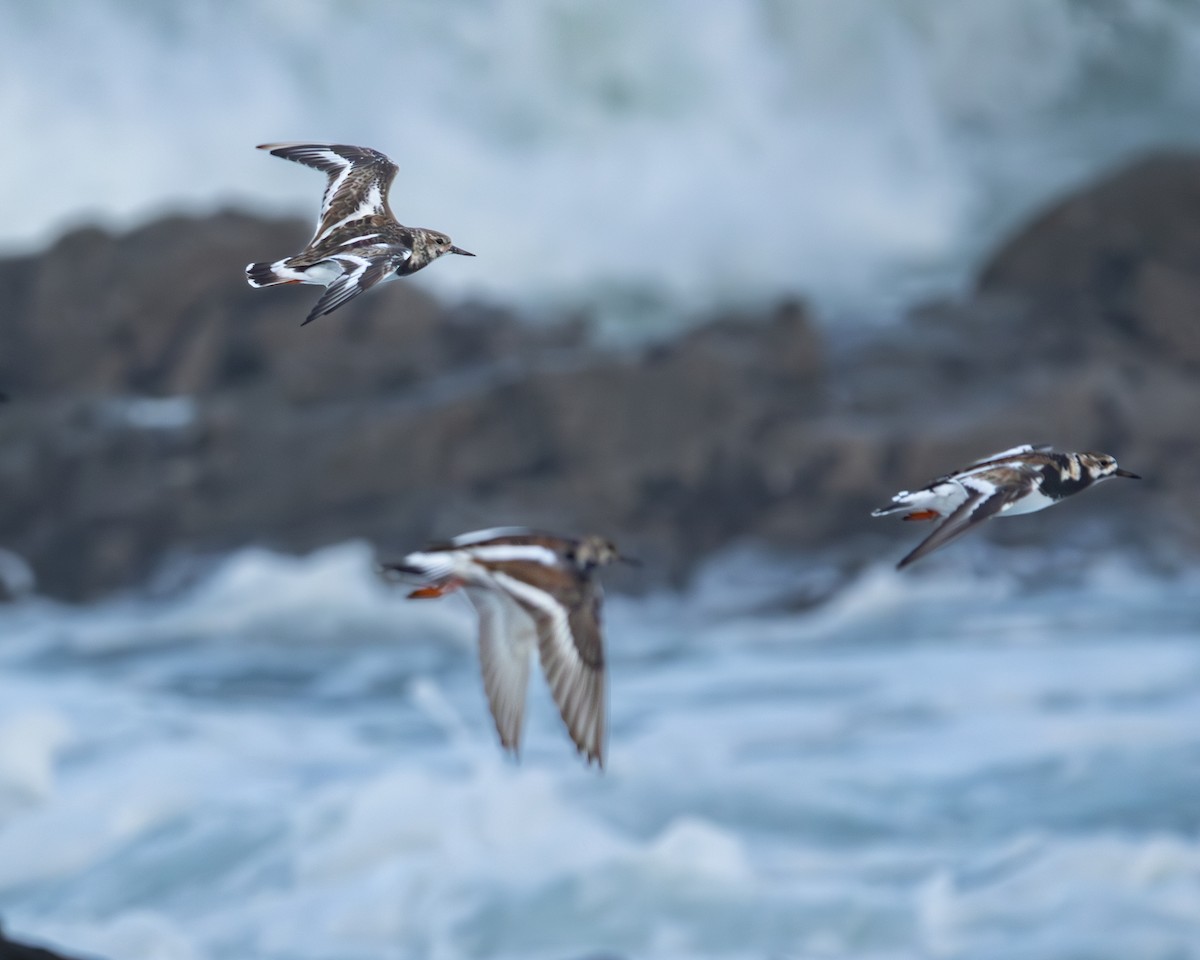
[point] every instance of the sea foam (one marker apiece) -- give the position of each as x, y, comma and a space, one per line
941, 765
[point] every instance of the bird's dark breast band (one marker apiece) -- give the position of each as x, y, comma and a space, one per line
1057, 481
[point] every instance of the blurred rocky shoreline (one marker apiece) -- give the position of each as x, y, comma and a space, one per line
161, 409
12, 950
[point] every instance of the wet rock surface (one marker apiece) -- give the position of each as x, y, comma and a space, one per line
162, 408
12, 950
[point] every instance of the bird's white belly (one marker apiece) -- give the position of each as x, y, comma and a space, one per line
945, 498
1031, 503
324, 272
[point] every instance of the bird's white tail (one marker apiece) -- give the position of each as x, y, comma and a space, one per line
432, 574
420, 567
901, 501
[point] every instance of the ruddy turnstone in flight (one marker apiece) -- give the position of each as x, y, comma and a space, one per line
358, 243
1021, 480
529, 589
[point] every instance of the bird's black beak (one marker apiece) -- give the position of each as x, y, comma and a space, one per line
629, 561
1125, 473
461, 252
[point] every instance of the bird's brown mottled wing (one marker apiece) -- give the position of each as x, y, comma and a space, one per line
573, 659
357, 185
566, 609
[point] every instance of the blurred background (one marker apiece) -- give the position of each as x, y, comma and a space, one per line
743, 271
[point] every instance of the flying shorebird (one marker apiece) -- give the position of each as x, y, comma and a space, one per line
529, 589
358, 243
1021, 480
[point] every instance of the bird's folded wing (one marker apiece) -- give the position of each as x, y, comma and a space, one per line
491, 533
506, 640
984, 499
1005, 454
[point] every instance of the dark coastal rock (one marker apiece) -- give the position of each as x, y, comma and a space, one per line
165, 311
11, 950
548, 434
161, 407
1119, 260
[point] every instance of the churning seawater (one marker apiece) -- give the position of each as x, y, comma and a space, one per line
288, 761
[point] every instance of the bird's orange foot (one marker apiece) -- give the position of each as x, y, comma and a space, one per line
923, 515
436, 590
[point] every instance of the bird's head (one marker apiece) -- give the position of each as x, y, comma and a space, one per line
597, 552
1102, 466
434, 244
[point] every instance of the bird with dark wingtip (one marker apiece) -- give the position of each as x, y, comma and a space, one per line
1021, 480
358, 243
531, 590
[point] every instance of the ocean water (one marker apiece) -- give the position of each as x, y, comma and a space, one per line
647, 160
288, 761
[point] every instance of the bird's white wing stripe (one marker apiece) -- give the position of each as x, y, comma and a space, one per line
353, 262
435, 566
548, 605
334, 185
477, 536
332, 227
1011, 452
355, 268
372, 202
370, 205
358, 214
979, 484
500, 552
343, 288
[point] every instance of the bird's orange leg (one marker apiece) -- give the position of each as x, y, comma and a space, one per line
436, 590
923, 515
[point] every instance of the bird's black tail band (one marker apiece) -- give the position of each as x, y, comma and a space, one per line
263, 275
